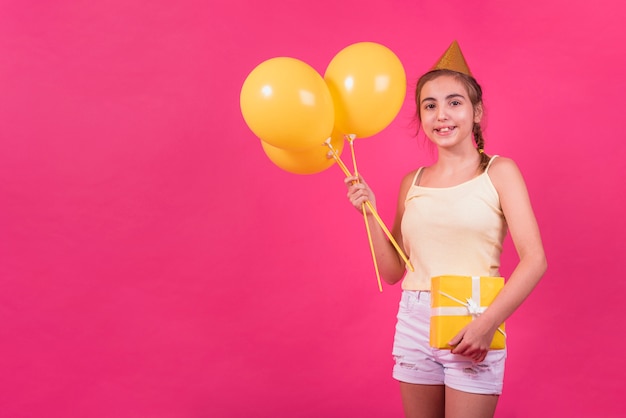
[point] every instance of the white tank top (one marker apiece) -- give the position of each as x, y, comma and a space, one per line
455, 230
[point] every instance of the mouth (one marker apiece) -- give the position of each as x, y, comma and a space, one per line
445, 129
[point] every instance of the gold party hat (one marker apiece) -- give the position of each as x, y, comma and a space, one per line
453, 60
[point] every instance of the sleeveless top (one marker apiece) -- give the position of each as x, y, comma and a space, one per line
455, 230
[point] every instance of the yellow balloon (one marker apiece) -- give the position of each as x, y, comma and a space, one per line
286, 103
368, 84
309, 161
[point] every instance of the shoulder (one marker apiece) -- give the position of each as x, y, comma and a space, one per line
505, 174
499, 162
406, 183
503, 167
409, 179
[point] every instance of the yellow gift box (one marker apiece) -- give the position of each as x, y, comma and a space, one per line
456, 301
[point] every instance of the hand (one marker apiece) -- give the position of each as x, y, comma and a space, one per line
359, 192
473, 341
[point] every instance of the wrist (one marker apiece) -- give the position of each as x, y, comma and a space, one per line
489, 322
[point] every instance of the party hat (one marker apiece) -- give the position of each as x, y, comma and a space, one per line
453, 60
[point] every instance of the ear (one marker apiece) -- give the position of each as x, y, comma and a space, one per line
478, 113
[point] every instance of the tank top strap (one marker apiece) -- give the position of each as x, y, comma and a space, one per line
493, 157
417, 176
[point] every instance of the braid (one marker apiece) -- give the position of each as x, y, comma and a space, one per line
480, 145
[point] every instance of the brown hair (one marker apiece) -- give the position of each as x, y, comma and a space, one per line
475, 94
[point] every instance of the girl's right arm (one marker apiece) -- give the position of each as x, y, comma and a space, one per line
390, 264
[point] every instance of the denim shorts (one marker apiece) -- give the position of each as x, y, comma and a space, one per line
416, 362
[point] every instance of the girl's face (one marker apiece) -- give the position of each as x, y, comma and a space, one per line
446, 112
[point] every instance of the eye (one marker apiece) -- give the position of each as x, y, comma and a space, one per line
455, 103
429, 106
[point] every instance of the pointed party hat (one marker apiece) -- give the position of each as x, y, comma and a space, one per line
453, 60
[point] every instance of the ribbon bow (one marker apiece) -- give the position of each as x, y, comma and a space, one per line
473, 308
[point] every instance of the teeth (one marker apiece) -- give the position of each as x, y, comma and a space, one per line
444, 129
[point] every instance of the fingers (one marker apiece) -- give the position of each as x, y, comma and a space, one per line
350, 180
477, 354
467, 344
358, 191
456, 340
358, 195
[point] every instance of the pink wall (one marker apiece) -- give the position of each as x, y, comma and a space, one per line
154, 263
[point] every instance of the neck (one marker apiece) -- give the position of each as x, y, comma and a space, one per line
454, 161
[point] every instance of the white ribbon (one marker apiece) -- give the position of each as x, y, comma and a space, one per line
470, 307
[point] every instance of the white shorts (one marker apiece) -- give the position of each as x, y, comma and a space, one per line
418, 363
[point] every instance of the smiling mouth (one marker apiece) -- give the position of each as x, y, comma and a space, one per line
445, 130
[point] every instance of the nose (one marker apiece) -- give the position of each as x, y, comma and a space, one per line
441, 113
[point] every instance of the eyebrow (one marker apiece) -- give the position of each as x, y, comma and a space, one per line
448, 97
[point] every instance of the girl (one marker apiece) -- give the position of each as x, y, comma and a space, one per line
451, 219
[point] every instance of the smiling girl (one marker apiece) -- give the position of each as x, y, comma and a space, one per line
451, 219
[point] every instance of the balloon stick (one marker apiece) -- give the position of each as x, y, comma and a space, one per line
369, 238
345, 170
350, 139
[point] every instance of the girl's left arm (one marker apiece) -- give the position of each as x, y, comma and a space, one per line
475, 339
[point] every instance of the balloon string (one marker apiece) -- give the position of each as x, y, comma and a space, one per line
345, 170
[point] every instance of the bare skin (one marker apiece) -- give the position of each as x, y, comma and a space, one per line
438, 401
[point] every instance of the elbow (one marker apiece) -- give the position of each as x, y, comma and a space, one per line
535, 263
393, 277
542, 264
391, 280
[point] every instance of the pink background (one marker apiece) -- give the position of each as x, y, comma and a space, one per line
155, 263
